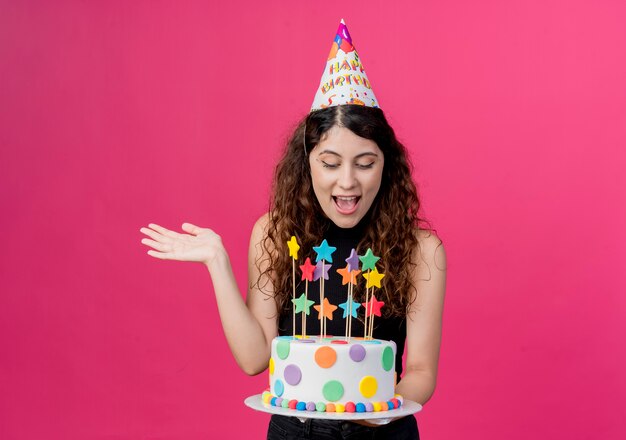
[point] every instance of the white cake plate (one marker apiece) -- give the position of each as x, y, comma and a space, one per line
379, 418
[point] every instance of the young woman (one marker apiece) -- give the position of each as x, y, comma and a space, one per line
343, 177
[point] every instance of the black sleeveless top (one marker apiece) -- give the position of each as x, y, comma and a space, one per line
391, 328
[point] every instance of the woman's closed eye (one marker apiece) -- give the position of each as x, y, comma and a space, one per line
362, 166
329, 165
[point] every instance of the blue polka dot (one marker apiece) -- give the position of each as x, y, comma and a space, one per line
279, 387
301, 406
360, 407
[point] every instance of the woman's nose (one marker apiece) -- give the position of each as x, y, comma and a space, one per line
347, 179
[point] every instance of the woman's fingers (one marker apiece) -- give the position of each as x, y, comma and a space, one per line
159, 255
161, 247
155, 235
192, 229
163, 231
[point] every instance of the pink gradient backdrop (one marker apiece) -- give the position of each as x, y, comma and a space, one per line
117, 114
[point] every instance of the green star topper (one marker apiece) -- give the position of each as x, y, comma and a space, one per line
302, 304
368, 260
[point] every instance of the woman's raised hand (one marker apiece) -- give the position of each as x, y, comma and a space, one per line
198, 244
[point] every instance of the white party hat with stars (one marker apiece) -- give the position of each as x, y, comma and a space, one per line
344, 80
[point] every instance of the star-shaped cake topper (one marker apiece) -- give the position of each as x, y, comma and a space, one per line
347, 276
345, 306
303, 304
369, 260
307, 270
373, 306
324, 252
353, 261
321, 269
328, 309
373, 278
294, 247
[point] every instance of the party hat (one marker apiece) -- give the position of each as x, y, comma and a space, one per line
344, 80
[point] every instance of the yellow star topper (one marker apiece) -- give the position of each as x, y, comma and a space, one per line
294, 247
373, 278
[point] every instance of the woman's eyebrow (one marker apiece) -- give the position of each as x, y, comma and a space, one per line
334, 153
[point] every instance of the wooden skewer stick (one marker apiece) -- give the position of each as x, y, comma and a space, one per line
306, 296
371, 320
293, 283
349, 311
322, 301
367, 298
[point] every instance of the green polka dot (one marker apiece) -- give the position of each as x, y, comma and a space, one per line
387, 358
332, 391
320, 406
282, 349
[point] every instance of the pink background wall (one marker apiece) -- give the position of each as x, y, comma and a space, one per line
117, 114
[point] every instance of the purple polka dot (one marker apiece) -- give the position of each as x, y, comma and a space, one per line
310, 406
369, 407
357, 353
292, 374
305, 341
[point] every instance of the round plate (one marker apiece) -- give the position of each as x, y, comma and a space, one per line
382, 417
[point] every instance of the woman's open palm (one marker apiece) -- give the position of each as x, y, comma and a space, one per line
198, 244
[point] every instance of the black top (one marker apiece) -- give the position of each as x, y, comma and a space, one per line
391, 328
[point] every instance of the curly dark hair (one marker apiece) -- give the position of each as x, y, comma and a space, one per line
393, 221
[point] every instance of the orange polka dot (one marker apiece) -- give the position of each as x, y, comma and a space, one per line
325, 357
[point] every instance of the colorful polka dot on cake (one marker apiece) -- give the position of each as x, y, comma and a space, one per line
282, 349
279, 388
333, 390
357, 353
368, 386
388, 358
325, 356
292, 374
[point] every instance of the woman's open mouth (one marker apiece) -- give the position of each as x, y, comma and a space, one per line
346, 205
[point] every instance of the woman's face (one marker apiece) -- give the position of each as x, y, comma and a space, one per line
346, 171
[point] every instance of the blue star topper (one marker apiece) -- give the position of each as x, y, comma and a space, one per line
345, 306
324, 252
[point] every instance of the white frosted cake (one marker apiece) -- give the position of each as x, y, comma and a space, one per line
332, 374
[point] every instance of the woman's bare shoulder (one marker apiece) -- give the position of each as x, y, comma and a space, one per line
259, 230
431, 249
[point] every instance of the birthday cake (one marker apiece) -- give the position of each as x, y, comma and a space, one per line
332, 374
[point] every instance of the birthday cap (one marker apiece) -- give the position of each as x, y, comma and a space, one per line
344, 80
